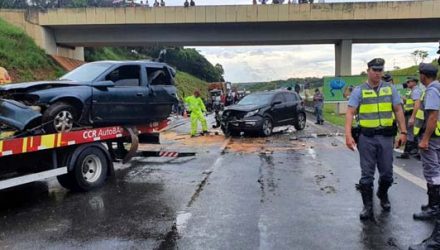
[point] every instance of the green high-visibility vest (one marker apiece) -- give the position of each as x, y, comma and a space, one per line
420, 119
376, 108
409, 103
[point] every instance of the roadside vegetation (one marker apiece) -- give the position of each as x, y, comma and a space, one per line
187, 84
331, 116
24, 60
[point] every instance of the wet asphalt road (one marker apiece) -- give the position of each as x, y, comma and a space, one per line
294, 190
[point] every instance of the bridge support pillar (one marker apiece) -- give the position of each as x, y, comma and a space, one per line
343, 58
49, 44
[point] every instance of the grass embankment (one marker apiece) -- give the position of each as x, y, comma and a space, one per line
330, 115
186, 84
23, 59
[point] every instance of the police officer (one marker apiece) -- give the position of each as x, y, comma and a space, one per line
374, 102
388, 78
410, 107
427, 125
318, 103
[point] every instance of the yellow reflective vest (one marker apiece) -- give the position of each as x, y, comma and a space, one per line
376, 108
195, 104
420, 119
409, 103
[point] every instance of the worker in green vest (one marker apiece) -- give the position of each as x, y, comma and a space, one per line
198, 110
375, 103
427, 127
411, 102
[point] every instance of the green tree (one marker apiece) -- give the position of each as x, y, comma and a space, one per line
13, 4
419, 56
79, 3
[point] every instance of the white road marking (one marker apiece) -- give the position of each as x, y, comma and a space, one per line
398, 170
410, 177
182, 220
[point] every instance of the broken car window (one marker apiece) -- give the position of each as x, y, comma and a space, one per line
158, 76
125, 76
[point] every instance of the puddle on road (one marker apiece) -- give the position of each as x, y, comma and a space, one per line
268, 182
312, 152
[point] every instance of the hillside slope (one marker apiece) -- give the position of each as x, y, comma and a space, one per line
410, 71
24, 60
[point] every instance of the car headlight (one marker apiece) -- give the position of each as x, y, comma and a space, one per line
252, 113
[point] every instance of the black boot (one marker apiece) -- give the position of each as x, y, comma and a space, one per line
367, 199
431, 243
429, 189
382, 194
434, 210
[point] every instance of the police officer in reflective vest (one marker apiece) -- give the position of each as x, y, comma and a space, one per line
427, 126
411, 105
375, 102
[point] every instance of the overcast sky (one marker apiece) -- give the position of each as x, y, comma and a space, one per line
265, 63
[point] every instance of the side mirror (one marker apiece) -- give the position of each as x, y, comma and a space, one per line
276, 103
104, 84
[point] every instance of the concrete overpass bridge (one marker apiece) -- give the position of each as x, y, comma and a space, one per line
66, 31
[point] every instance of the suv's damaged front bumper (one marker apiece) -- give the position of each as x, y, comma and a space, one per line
253, 123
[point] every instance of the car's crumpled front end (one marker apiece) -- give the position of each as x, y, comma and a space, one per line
20, 104
18, 116
241, 120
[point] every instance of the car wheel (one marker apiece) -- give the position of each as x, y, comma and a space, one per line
228, 132
267, 127
300, 122
59, 117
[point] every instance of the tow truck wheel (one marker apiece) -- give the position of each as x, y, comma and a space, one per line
89, 171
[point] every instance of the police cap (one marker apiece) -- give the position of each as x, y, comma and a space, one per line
376, 63
412, 79
387, 77
428, 69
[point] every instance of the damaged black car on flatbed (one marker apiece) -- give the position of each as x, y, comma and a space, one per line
94, 94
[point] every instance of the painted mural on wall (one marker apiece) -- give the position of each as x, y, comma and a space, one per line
339, 88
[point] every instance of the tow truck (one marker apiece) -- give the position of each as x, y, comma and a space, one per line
81, 160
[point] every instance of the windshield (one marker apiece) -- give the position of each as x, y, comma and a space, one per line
87, 72
259, 99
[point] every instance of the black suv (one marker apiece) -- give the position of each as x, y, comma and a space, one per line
261, 112
97, 93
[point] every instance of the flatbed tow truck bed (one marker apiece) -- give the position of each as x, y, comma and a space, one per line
81, 160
